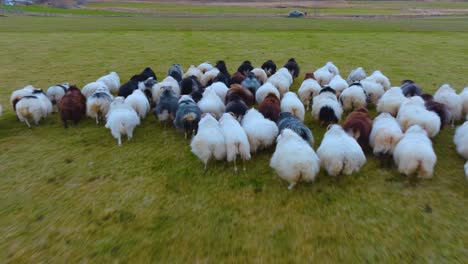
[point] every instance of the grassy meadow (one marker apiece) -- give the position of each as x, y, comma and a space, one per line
73, 194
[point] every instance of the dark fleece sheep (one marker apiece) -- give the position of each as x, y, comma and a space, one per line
287, 120
188, 115
245, 68
241, 92
270, 107
251, 82
127, 88
410, 89
166, 107
189, 84
292, 67
237, 78
359, 124
223, 75
439, 108
72, 105
269, 67
236, 106
176, 72
326, 114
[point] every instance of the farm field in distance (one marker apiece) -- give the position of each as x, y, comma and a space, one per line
73, 194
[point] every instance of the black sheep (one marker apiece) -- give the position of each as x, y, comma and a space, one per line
127, 88
269, 67
410, 89
245, 67
292, 67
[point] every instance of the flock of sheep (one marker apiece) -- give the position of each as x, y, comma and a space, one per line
216, 109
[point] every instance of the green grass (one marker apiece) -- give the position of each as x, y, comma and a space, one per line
72, 194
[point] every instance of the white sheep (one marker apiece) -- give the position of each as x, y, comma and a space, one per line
209, 140
205, 67
332, 68
385, 134
235, 138
464, 97
264, 90
356, 75
20, 93
56, 92
97, 105
260, 131
461, 140
308, 90
170, 82
121, 119
32, 107
391, 101
325, 106
44, 100
282, 80
291, 103
448, 96
220, 89
414, 153
211, 103
413, 112
340, 153
92, 87
294, 159
139, 102
378, 77
193, 71
374, 90
209, 76
338, 84
353, 97
260, 74
466, 170
112, 81
323, 76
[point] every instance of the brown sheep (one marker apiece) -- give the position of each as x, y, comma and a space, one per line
359, 125
237, 78
242, 92
270, 107
72, 105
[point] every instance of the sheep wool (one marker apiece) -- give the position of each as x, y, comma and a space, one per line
291, 103
121, 119
260, 131
112, 81
340, 153
308, 90
414, 153
209, 140
448, 96
294, 160
385, 134
235, 138
138, 101
391, 101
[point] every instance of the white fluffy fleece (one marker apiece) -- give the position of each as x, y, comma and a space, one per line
291, 103
209, 140
385, 134
414, 153
294, 159
391, 101
260, 131
340, 153
413, 112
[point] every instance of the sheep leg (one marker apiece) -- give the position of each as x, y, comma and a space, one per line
291, 186
185, 135
65, 124
119, 140
206, 166
243, 165
235, 166
97, 119
27, 122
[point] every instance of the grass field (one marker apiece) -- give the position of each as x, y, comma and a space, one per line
74, 194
